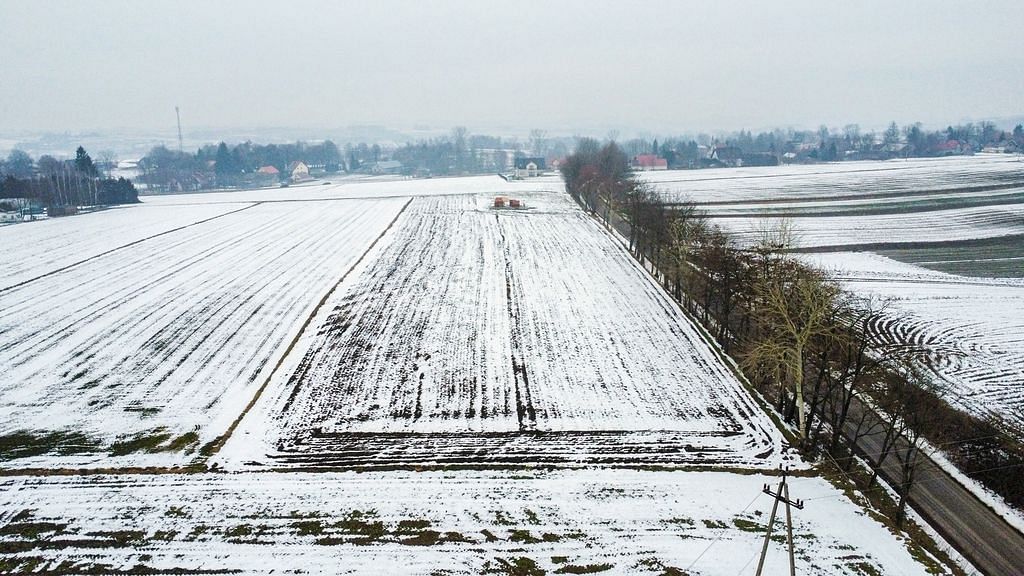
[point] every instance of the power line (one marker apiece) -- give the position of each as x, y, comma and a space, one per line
720, 534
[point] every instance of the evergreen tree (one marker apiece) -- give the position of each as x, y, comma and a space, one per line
892, 134
225, 168
83, 163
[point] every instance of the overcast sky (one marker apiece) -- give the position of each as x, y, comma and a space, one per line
657, 66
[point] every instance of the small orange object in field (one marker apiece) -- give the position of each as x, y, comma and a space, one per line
499, 201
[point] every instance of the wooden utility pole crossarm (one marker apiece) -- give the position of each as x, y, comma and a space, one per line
780, 495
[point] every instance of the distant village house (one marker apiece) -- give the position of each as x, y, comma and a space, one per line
649, 162
528, 167
298, 171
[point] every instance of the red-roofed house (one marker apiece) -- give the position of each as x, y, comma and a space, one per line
947, 148
267, 176
649, 162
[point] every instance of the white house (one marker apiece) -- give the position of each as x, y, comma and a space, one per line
529, 167
298, 170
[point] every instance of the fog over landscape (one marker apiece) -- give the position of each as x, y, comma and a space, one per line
521, 288
568, 66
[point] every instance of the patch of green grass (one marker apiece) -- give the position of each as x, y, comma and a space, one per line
238, 531
424, 538
197, 531
32, 530
433, 537
297, 514
176, 512
406, 526
186, 443
501, 520
362, 524
121, 538
865, 569
28, 444
655, 564
145, 442
585, 569
164, 535
20, 565
520, 566
531, 516
714, 524
748, 525
523, 537
155, 441
308, 527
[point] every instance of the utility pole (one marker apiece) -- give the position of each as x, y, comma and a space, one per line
181, 147
780, 495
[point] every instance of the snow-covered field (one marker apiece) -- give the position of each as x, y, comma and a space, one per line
604, 521
862, 203
400, 323
164, 342
839, 180
963, 214
33, 249
361, 187
973, 327
888, 230
477, 335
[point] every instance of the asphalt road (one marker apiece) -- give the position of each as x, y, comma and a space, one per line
968, 524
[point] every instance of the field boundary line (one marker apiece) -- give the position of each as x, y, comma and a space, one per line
215, 445
122, 247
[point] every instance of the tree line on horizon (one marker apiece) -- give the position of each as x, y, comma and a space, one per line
829, 145
230, 166
811, 348
61, 186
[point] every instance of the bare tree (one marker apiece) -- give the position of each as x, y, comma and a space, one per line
792, 310
539, 141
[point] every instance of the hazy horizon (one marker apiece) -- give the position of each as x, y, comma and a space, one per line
566, 67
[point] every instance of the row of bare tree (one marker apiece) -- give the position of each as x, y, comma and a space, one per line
820, 354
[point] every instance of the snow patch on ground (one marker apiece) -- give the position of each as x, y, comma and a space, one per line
625, 522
